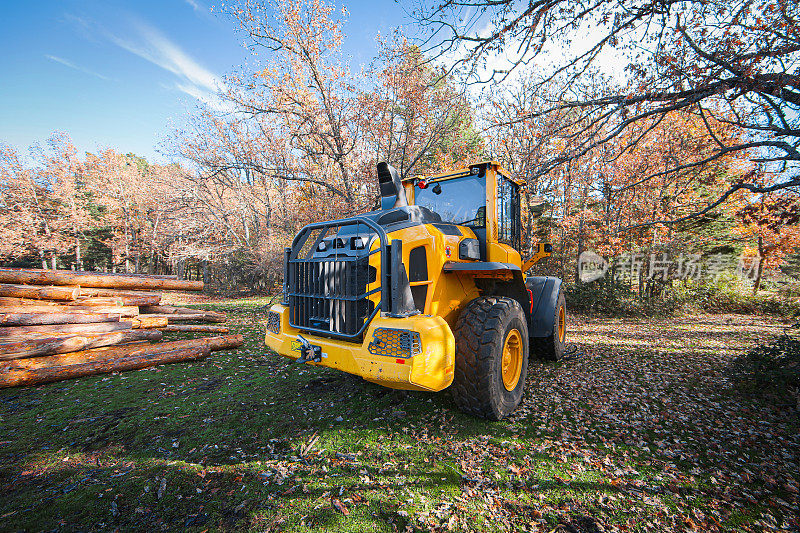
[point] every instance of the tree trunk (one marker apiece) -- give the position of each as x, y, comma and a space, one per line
213, 316
114, 293
100, 327
196, 328
98, 280
37, 319
122, 310
137, 264
10, 301
129, 300
222, 342
149, 321
73, 343
185, 317
760, 267
40, 293
580, 251
127, 245
110, 362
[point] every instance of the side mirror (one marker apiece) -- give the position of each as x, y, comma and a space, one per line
480, 216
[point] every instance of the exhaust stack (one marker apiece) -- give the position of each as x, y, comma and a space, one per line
392, 192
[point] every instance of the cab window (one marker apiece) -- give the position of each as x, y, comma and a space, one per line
459, 201
508, 223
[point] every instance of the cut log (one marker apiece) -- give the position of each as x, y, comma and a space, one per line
202, 317
223, 342
92, 272
82, 301
121, 300
39, 293
214, 344
172, 310
36, 319
131, 274
85, 356
124, 310
109, 363
95, 279
149, 321
117, 300
92, 291
211, 316
196, 327
11, 301
63, 328
39, 370
73, 343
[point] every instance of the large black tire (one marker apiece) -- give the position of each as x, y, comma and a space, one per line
481, 333
551, 348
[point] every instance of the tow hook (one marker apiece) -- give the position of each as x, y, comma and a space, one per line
308, 352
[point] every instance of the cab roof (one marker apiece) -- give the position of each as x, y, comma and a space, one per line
465, 171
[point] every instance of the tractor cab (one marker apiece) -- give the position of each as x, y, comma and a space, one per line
466, 197
403, 295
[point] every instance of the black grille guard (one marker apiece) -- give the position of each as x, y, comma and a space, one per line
319, 289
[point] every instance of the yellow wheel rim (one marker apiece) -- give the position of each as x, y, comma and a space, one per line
512, 359
562, 323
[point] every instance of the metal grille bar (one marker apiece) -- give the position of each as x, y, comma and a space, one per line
328, 295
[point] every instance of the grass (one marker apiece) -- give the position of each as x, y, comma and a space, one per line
640, 430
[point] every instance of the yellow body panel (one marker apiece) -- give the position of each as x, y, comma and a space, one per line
447, 293
431, 370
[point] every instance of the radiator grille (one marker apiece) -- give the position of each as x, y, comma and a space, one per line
393, 342
330, 295
273, 322
330, 287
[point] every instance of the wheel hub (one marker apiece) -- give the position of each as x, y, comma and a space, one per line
512, 359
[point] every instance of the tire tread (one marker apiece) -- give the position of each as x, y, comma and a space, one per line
476, 333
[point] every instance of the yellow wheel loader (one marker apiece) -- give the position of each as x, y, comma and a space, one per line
428, 292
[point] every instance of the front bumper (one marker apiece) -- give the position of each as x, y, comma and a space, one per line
428, 366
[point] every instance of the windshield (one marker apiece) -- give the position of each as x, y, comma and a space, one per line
459, 201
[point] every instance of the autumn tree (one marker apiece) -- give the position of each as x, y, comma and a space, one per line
602, 201
301, 98
414, 116
39, 199
770, 225
295, 136
729, 65
18, 206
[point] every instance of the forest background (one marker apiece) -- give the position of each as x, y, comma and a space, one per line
678, 167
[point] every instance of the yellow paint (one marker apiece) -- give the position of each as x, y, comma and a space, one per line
538, 256
431, 370
511, 363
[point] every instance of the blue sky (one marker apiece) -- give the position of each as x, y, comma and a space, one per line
123, 74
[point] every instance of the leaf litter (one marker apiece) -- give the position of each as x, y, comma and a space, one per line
642, 430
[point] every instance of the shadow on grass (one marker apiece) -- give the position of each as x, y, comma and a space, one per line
770, 371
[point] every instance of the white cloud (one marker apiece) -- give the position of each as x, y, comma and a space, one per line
197, 6
151, 45
72, 65
212, 100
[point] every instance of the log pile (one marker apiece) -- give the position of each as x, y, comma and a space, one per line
57, 324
